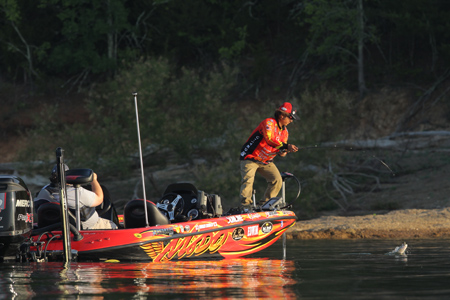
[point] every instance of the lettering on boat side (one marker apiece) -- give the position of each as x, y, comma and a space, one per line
235, 219
193, 245
254, 216
253, 230
266, 227
238, 233
271, 213
204, 226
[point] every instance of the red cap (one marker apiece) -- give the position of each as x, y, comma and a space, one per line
287, 108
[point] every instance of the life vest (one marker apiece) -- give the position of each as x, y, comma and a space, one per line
265, 142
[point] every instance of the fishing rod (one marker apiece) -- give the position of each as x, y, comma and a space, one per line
326, 147
336, 147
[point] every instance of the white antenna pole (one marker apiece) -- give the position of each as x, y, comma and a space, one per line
140, 155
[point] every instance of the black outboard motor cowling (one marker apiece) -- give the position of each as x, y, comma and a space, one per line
16, 215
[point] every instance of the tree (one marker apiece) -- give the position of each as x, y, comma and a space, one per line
87, 36
16, 39
338, 35
414, 36
361, 81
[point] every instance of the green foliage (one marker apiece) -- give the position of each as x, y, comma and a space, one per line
195, 114
112, 110
238, 46
334, 34
66, 38
90, 31
186, 113
11, 10
49, 133
326, 113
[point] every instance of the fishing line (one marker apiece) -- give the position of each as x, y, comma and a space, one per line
385, 164
336, 147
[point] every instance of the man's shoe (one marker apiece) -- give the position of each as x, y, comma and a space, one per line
247, 208
247, 203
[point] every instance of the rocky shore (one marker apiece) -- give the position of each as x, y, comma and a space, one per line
403, 224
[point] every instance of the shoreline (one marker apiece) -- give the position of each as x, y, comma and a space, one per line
399, 224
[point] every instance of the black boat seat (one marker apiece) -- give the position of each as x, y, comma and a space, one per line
134, 214
50, 213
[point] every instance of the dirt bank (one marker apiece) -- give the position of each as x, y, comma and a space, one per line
407, 224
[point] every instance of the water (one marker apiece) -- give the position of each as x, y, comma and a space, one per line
315, 269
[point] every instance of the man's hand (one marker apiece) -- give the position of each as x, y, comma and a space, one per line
292, 148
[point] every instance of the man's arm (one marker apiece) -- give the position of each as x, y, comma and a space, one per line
98, 191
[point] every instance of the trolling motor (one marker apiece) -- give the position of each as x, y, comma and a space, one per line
277, 203
67, 250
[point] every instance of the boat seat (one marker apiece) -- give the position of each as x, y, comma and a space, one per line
134, 214
50, 213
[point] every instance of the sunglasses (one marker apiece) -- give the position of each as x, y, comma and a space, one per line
292, 115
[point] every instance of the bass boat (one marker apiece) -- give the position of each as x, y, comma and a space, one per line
183, 223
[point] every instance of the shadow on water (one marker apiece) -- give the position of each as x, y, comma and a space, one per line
313, 269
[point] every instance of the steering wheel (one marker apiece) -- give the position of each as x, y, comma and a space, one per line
171, 205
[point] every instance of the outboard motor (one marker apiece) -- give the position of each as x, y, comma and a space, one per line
16, 215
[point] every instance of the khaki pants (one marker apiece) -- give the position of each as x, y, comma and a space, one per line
269, 172
104, 224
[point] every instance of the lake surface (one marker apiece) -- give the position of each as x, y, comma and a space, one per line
313, 269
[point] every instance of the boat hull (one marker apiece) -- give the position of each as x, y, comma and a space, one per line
224, 237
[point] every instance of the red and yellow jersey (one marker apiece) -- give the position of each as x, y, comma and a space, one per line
265, 142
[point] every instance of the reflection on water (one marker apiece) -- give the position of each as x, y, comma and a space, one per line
365, 269
236, 278
315, 269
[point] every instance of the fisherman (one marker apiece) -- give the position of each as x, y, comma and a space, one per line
88, 200
269, 139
